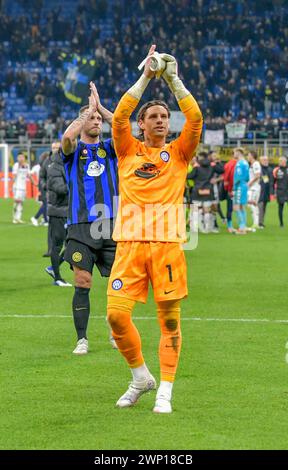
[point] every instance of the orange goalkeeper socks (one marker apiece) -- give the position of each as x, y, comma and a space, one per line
170, 341
125, 333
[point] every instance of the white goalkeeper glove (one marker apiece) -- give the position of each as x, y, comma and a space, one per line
170, 75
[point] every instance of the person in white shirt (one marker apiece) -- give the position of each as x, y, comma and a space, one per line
254, 187
20, 173
35, 170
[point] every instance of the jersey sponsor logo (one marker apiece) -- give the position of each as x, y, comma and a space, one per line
165, 156
117, 284
147, 171
95, 169
101, 153
84, 154
77, 257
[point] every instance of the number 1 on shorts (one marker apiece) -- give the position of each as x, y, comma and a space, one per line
169, 267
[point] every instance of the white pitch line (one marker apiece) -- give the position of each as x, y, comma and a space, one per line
235, 320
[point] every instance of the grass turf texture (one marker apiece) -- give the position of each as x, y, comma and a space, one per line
231, 386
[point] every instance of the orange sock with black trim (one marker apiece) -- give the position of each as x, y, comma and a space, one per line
171, 339
125, 333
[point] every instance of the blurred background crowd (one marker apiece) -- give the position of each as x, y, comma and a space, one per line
233, 56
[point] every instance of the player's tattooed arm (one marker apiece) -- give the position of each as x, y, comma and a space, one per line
69, 139
106, 115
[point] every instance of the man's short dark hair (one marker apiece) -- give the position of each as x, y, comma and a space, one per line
254, 154
81, 110
149, 104
202, 155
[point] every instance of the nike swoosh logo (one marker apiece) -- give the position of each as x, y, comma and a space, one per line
80, 308
140, 154
169, 291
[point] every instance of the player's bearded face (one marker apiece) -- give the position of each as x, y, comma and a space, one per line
93, 127
155, 122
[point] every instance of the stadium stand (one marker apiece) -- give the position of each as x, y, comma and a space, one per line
235, 60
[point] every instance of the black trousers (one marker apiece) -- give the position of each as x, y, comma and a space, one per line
58, 232
229, 208
262, 211
280, 212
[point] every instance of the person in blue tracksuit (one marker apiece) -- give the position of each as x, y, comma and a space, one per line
240, 189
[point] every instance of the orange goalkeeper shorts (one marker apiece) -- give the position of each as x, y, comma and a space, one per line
136, 262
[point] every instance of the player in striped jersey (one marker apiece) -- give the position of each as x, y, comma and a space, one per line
91, 173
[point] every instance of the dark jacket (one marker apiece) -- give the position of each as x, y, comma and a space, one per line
202, 175
42, 185
57, 189
266, 183
281, 183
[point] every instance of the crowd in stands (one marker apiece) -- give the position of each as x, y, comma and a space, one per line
23, 130
233, 56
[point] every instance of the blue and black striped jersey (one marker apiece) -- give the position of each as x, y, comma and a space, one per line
92, 178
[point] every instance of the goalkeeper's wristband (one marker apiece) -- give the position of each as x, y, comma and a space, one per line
177, 87
139, 87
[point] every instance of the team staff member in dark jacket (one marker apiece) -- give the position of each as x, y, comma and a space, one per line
280, 174
43, 185
203, 192
57, 199
92, 177
217, 181
266, 183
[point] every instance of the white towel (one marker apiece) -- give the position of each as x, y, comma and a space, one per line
157, 65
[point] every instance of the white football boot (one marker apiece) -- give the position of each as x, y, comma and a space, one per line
34, 221
135, 390
162, 403
61, 283
81, 347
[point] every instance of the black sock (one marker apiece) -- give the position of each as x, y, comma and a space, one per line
280, 212
219, 210
81, 310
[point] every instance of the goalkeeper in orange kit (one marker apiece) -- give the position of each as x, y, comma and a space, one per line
149, 229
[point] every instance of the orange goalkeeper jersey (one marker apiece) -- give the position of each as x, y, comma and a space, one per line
152, 180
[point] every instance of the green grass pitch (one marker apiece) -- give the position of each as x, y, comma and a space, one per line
231, 388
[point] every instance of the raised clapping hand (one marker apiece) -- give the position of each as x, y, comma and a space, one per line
171, 69
147, 72
95, 94
94, 101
